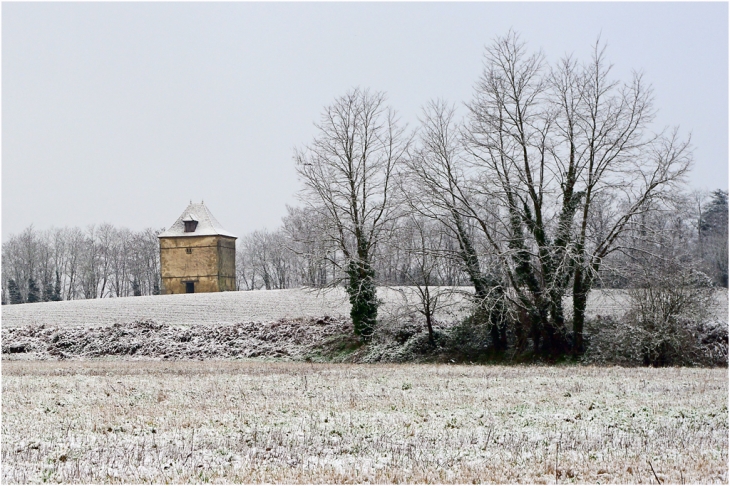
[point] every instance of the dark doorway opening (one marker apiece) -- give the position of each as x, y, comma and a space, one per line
189, 287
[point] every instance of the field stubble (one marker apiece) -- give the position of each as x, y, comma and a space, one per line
224, 421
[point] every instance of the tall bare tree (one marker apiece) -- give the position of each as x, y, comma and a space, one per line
549, 143
437, 186
348, 173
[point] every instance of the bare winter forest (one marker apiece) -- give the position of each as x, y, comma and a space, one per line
551, 186
548, 225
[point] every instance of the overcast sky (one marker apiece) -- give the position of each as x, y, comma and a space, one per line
124, 112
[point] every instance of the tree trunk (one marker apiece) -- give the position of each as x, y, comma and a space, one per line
580, 298
362, 292
431, 338
490, 306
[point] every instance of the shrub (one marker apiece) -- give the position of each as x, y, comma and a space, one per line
668, 323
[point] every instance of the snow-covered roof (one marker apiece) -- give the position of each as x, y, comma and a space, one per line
207, 224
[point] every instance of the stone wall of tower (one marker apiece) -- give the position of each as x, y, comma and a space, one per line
226, 264
207, 261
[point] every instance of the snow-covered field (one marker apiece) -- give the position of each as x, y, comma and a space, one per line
251, 422
260, 305
180, 309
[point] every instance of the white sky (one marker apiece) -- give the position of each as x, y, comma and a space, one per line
124, 112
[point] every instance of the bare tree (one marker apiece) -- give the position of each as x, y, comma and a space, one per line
425, 241
437, 186
549, 143
91, 262
145, 262
68, 263
18, 262
266, 256
348, 173
315, 260
245, 270
119, 260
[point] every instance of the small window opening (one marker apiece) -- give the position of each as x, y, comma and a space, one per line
190, 226
189, 251
189, 287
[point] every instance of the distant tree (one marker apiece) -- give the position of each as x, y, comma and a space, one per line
34, 294
100, 262
57, 289
245, 270
714, 237
120, 258
74, 242
136, 290
715, 217
47, 291
14, 291
314, 260
262, 253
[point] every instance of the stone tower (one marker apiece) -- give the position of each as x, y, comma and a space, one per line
197, 254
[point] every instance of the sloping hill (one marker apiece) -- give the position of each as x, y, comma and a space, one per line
255, 306
180, 309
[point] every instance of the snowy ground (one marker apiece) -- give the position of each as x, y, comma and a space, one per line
252, 422
261, 306
180, 309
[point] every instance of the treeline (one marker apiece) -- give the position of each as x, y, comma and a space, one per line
299, 254
73, 263
104, 261
691, 227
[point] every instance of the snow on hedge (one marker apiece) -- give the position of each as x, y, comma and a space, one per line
257, 306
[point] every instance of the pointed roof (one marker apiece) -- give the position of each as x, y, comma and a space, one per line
207, 224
